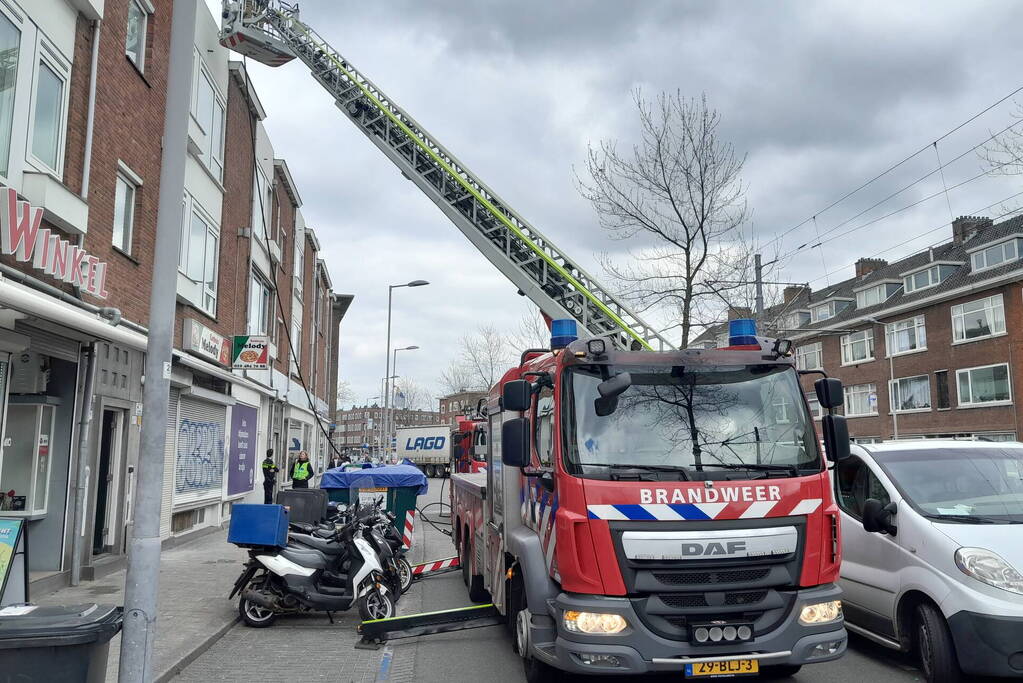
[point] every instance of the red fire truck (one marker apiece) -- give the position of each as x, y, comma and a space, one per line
665, 511
469, 445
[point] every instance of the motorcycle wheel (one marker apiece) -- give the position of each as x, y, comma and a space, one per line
255, 615
376, 605
405, 574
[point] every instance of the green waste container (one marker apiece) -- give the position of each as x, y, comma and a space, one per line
58, 643
400, 486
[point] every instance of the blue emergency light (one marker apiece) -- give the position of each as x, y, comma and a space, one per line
742, 332
563, 333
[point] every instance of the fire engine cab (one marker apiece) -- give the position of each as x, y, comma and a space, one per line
657, 511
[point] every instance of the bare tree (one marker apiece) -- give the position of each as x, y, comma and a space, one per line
1004, 154
483, 357
678, 192
410, 395
531, 333
345, 393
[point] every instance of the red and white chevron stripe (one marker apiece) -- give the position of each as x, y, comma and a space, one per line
410, 527
436, 565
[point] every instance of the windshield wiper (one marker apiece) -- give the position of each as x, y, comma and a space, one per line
759, 467
969, 519
646, 468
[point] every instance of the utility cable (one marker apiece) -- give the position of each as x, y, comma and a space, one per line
941, 169
895, 166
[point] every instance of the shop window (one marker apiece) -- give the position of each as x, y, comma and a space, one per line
25, 471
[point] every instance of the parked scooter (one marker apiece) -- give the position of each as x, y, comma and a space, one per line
298, 579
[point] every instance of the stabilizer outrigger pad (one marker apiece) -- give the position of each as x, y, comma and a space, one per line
376, 632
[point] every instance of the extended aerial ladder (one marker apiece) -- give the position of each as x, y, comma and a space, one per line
270, 32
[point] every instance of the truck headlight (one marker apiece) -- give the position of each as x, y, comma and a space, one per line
594, 622
821, 613
990, 568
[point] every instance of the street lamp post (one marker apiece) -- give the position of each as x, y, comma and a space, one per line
391, 426
891, 377
387, 348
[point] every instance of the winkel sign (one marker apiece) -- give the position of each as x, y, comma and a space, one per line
23, 237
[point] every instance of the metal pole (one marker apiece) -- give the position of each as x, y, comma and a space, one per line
387, 375
891, 390
758, 273
82, 471
142, 579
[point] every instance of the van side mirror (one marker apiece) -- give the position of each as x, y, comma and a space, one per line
517, 395
610, 390
836, 437
877, 518
829, 392
515, 442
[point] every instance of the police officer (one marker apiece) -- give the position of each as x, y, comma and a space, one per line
301, 471
269, 476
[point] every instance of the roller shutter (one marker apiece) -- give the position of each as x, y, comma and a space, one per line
169, 451
199, 455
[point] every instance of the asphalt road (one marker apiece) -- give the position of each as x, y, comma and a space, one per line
309, 647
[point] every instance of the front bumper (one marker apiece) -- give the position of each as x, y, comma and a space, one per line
988, 645
638, 650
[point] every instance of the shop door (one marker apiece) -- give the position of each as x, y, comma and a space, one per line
108, 468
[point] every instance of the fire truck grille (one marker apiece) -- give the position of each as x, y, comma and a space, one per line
689, 578
682, 600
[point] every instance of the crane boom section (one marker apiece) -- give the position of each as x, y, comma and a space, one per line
273, 34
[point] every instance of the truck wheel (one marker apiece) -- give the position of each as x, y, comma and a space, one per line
430, 472
535, 670
477, 593
935, 647
463, 558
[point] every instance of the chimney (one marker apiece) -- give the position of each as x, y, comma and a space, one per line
965, 227
865, 266
793, 292
735, 313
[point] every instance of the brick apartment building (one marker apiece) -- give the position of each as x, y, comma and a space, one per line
359, 426
80, 176
458, 403
927, 346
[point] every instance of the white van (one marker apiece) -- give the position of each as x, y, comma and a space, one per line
932, 553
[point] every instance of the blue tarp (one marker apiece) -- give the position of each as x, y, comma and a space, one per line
390, 476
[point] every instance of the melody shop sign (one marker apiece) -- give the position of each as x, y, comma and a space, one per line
22, 237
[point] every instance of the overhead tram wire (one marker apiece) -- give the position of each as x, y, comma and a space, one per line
929, 231
894, 166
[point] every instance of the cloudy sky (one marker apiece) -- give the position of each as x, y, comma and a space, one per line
820, 96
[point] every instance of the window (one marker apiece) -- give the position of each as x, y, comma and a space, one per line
200, 255
941, 384
810, 357
10, 46
861, 399
854, 484
124, 213
795, 321
875, 295
298, 265
928, 277
978, 319
815, 406
906, 336
828, 310
989, 384
858, 347
544, 426
135, 40
995, 255
911, 393
48, 116
296, 346
260, 307
209, 114
26, 461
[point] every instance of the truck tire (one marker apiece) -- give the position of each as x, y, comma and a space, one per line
477, 593
430, 473
463, 557
935, 647
534, 670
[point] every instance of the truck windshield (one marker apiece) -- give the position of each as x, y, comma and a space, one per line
969, 486
688, 420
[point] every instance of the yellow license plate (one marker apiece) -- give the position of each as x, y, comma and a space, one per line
736, 667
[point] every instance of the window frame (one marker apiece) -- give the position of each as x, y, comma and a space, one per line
811, 402
47, 54
818, 352
894, 385
840, 497
211, 152
992, 308
146, 10
849, 390
933, 277
538, 422
982, 404
17, 142
847, 344
257, 278
132, 180
192, 209
982, 251
919, 328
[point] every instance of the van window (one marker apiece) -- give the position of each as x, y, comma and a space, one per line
854, 484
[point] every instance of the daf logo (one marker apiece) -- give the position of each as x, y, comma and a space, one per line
706, 549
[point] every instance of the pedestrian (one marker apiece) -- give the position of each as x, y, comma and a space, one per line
336, 461
302, 471
269, 476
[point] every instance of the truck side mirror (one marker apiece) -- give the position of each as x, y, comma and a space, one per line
836, 437
517, 395
515, 442
877, 518
829, 392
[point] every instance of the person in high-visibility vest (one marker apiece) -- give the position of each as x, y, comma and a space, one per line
269, 476
301, 471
